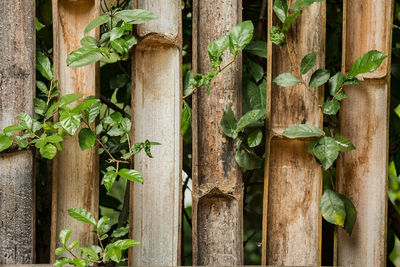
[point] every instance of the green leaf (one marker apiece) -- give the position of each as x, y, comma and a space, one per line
351, 214
69, 98
281, 9
307, 63
277, 36
38, 25
125, 243
83, 56
62, 261
331, 107
120, 232
36, 126
92, 111
215, 50
289, 20
95, 23
85, 104
88, 253
64, 236
240, 35
89, 41
120, 46
113, 253
82, 215
25, 120
70, 121
109, 179
126, 125
319, 77
73, 244
228, 123
353, 81
43, 65
48, 151
103, 226
135, 16
286, 79
248, 160
59, 251
130, 40
186, 118
78, 262
255, 95
13, 128
303, 3
40, 106
326, 151
303, 130
42, 87
335, 83
21, 142
131, 175
116, 33
332, 207
258, 48
344, 143
87, 139
116, 117
115, 132
54, 138
369, 62
255, 69
250, 118
255, 138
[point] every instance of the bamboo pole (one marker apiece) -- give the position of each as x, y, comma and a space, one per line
362, 173
217, 180
156, 102
75, 172
293, 179
17, 90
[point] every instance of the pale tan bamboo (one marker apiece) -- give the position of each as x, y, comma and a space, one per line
292, 184
75, 172
217, 180
17, 90
156, 102
362, 173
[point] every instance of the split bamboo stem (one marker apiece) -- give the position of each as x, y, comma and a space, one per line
362, 173
17, 90
217, 179
156, 106
293, 178
75, 172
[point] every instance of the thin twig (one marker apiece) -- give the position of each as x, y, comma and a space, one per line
261, 19
111, 105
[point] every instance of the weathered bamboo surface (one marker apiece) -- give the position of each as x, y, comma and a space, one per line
156, 101
291, 219
17, 90
217, 179
75, 172
362, 173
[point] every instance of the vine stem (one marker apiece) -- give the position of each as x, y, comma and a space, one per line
293, 64
340, 90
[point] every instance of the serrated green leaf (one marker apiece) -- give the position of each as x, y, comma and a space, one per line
369, 62
303, 3
286, 79
43, 65
113, 253
48, 151
92, 111
280, 8
120, 232
319, 77
69, 98
120, 46
126, 125
344, 143
109, 179
54, 138
70, 121
331, 107
326, 151
82, 215
64, 236
95, 23
215, 50
13, 128
240, 35
135, 16
115, 132
308, 62
251, 118
103, 225
228, 123
87, 139
130, 40
131, 175
84, 56
125, 243
332, 207
25, 120
303, 131
85, 104
59, 251
255, 138
258, 48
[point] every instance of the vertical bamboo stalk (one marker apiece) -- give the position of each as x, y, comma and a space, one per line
75, 172
362, 173
156, 102
17, 90
293, 179
217, 180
